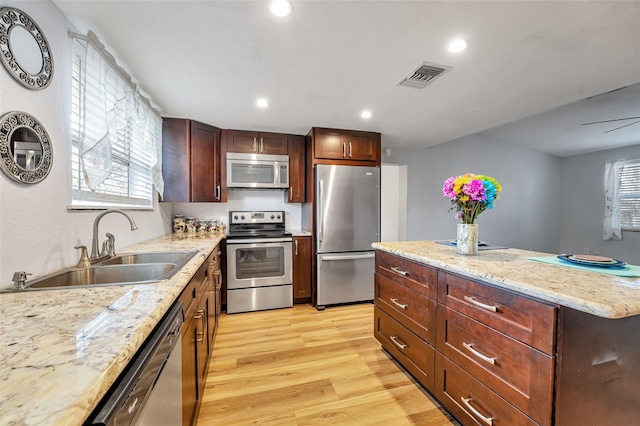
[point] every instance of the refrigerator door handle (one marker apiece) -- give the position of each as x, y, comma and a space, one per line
354, 257
320, 213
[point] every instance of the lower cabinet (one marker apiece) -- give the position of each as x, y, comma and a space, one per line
301, 268
201, 313
487, 354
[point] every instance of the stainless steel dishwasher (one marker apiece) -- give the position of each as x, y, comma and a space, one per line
150, 391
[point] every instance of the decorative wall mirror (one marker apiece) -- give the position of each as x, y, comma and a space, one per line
24, 49
25, 148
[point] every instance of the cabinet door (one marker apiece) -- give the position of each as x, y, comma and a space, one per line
329, 144
363, 146
242, 141
205, 170
301, 267
175, 160
190, 389
296, 192
272, 143
202, 342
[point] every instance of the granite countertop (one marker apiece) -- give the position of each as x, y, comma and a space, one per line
61, 350
603, 295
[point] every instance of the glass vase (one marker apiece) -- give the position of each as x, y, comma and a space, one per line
467, 239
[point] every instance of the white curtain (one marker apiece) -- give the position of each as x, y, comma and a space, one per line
95, 142
611, 229
111, 104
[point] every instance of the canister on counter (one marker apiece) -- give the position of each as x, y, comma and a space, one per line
212, 226
191, 224
201, 228
178, 223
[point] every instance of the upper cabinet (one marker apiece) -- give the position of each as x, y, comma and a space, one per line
345, 146
296, 193
191, 162
256, 142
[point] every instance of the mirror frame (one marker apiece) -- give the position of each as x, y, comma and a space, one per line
9, 123
10, 18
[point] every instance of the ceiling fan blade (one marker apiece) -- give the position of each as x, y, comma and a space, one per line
608, 121
630, 124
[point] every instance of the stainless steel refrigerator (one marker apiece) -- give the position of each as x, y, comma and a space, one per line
347, 221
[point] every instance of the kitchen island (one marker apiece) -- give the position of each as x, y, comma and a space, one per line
503, 340
61, 350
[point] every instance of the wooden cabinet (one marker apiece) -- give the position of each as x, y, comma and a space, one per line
346, 146
405, 314
502, 357
191, 161
301, 268
200, 301
296, 193
256, 142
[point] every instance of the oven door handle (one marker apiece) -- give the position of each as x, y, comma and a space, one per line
353, 257
249, 241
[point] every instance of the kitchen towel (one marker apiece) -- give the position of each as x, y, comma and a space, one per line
629, 271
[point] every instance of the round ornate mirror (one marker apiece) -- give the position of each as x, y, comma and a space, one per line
24, 50
25, 148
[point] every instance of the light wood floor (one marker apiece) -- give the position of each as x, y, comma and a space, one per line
303, 367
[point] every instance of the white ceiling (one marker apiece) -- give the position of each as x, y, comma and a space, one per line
329, 60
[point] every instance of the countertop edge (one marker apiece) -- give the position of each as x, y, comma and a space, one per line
588, 306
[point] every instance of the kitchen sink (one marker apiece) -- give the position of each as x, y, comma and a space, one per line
177, 257
107, 275
125, 269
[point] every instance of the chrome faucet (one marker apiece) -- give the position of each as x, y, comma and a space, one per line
108, 248
20, 280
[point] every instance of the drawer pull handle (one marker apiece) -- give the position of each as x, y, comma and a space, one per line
469, 347
395, 341
399, 271
481, 305
398, 304
466, 402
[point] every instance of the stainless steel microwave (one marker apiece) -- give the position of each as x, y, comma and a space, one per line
260, 171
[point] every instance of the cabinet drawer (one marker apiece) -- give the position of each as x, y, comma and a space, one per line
470, 401
420, 278
410, 350
413, 310
524, 319
189, 299
519, 373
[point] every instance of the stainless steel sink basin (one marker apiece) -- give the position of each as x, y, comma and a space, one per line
107, 275
125, 269
177, 257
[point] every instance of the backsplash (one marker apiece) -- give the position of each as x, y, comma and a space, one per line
244, 200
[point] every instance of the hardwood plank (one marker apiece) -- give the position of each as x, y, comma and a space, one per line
301, 366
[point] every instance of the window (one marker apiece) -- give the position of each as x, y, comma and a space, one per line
622, 198
629, 192
121, 168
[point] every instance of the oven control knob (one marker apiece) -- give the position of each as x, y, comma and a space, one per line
235, 217
278, 216
272, 217
242, 217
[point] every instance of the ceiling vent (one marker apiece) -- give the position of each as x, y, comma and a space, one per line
423, 75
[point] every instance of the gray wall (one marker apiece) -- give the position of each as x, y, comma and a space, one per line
527, 214
582, 184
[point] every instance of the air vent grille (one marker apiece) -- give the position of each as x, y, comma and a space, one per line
423, 75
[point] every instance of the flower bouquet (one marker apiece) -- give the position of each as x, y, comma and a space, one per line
470, 195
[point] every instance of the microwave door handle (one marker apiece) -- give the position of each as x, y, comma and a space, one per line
320, 212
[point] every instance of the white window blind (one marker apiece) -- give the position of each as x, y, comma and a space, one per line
130, 156
629, 193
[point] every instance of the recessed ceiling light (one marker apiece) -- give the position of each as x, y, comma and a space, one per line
365, 114
262, 103
280, 7
458, 45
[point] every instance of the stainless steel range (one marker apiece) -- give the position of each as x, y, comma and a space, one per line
259, 274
